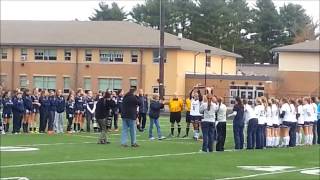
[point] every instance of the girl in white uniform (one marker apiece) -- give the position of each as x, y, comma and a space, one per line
196, 99
308, 121
300, 121
284, 115
269, 133
275, 121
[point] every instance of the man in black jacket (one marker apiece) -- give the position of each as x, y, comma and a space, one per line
129, 113
103, 110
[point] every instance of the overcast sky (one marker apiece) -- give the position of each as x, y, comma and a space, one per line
82, 9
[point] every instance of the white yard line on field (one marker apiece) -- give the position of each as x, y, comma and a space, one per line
17, 178
107, 159
268, 173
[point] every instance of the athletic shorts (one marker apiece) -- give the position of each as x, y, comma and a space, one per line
27, 111
300, 125
35, 110
269, 126
283, 126
7, 115
188, 117
175, 117
79, 112
275, 126
307, 123
196, 119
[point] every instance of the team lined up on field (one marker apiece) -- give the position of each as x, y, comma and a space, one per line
270, 123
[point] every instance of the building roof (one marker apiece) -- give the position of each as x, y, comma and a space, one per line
115, 34
270, 70
308, 46
230, 77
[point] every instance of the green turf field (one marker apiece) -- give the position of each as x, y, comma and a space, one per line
77, 156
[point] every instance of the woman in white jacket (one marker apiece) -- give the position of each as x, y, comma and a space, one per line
208, 109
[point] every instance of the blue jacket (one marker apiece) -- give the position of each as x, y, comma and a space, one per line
70, 109
45, 104
53, 103
155, 107
27, 103
18, 106
60, 104
7, 105
143, 104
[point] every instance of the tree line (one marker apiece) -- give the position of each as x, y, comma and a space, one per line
227, 24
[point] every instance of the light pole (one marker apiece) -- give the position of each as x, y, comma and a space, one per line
161, 63
207, 51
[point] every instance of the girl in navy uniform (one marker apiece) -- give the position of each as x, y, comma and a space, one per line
70, 109
7, 110
44, 110
28, 109
18, 111
52, 111
35, 110
79, 110
238, 123
90, 109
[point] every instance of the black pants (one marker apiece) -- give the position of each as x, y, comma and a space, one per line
221, 136
115, 120
70, 119
264, 135
17, 119
51, 120
292, 132
142, 120
251, 133
315, 134
259, 136
89, 119
238, 135
208, 136
44, 118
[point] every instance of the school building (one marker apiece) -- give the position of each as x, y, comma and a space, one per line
296, 75
99, 55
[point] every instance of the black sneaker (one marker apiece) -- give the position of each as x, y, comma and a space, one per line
184, 136
124, 145
135, 145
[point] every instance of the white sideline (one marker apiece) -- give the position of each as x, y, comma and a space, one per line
107, 159
268, 173
17, 178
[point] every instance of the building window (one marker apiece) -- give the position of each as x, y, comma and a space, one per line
3, 80
108, 83
44, 82
88, 54
23, 82
67, 54
133, 84
66, 84
111, 56
155, 89
45, 54
156, 56
3, 53
134, 56
87, 83
208, 61
24, 54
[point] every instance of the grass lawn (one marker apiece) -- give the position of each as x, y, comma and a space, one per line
77, 156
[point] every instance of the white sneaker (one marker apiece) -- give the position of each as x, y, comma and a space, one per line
2, 132
161, 138
152, 138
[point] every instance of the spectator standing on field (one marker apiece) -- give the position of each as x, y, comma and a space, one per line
238, 123
58, 118
221, 124
103, 110
154, 113
143, 109
129, 113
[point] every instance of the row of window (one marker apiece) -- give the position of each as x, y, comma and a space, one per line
49, 82
109, 56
